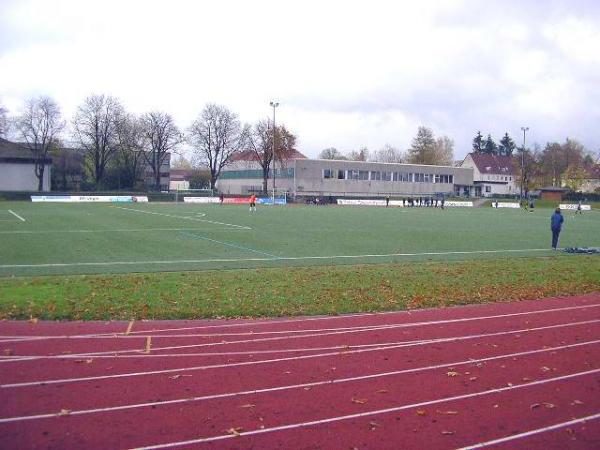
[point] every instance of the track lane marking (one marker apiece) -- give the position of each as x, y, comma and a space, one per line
143, 334
276, 360
301, 385
532, 432
368, 413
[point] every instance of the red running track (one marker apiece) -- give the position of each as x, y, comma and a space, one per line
505, 375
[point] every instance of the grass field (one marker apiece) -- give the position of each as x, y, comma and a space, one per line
44, 239
300, 259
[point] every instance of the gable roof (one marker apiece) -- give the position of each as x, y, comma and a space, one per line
493, 164
249, 155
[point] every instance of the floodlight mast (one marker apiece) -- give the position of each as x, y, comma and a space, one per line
274, 105
525, 129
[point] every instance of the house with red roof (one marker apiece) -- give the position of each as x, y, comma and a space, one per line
492, 174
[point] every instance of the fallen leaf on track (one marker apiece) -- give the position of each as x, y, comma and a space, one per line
235, 431
544, 369
87, 361
447, 412
8, 352
33, 320
577, 402
373, 425
448, 432
247, 405
360, 401
472, 378
64, 412
452, 374
176, 377
421, 412
382, 391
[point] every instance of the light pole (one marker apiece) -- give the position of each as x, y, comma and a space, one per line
274, 105
525, 129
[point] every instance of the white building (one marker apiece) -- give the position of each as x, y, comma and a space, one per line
492, 174
17, 168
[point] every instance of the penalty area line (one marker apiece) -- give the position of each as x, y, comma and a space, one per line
16, 215
277, 258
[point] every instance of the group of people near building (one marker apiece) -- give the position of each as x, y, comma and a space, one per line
428, 202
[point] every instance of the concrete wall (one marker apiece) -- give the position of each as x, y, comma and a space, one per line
21, 177
309, 178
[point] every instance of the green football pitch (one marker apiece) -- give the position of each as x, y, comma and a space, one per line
45, 239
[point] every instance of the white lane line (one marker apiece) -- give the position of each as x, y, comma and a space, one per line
302, 385
556, 426
275, 360
319, 331
16, 215
228, 244
369, 413
281, 258
115, 230
195, 219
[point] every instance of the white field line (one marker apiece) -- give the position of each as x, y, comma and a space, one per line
319, 333
556, 426
368, 413
280, 258
302, 385
275, 360
343, 348
195, 219
116, 230
16, 215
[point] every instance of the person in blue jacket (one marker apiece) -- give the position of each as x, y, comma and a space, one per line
556, 222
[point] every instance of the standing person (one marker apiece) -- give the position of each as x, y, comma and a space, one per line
579, 208
252, 203
387, 201
221, 198
443, 201
556, 222
403, 202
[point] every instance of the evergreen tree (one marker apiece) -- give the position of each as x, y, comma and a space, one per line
490, 147
507, 146
478, 143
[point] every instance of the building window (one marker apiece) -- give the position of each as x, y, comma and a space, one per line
375, 176
386, 176
488, 189
450, 179
363, 175
327, 173
341, 175
353, 174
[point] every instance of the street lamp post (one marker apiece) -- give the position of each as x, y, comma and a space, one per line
274, 105
525, 129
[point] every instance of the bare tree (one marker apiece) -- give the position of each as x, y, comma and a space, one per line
95, 131
388, 154
215, 136
39, 126
444, 151
362, 154
3, 121
130, 151
260, 141
331, 153
161, 137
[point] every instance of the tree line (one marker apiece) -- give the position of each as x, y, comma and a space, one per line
113, 147
425, 149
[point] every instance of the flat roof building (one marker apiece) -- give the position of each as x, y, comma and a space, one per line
17, 168
342, 178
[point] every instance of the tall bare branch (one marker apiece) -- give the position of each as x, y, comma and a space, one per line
39, 126
161, 137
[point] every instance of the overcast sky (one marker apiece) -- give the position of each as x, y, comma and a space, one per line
347, 74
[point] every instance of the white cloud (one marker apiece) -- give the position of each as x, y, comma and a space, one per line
347, 74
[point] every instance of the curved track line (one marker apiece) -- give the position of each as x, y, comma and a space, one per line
297, 386
268, 361
143, 334
368, 413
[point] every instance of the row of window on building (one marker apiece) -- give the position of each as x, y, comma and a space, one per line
376, 175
